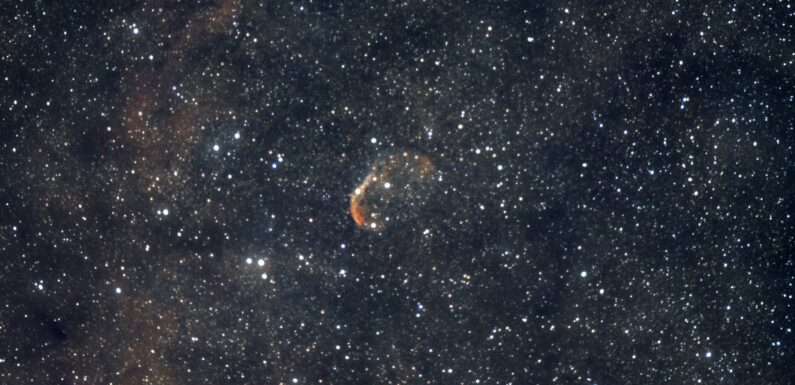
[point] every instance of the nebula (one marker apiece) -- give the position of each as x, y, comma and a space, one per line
393, 189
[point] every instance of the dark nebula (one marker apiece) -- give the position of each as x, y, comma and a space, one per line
415, 192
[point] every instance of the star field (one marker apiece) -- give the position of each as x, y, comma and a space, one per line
397, 192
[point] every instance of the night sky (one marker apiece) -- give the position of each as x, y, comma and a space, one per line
416, 192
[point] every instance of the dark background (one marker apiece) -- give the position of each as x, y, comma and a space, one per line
615, 203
